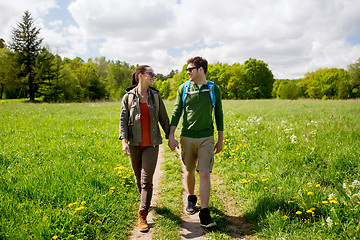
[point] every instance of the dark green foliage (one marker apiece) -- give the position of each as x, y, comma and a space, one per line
26, 44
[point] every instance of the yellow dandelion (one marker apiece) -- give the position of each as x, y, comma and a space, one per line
312, 209
243, 153
267, 168
79, 208
298, 212
55, 237
83, 202
75, 203
309, 211
99, 222
317, 185
263, 146
291, 201
333, 201
295, 197
274, 193
285, 217
310, 193
309, 183
279, 187
71, 204
244, 181
325, 202
112, 188
266, 188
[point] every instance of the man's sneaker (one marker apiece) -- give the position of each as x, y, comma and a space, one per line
190, 209
205, 218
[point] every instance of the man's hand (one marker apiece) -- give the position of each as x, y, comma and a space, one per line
218, 147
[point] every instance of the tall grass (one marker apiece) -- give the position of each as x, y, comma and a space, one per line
62, 173
294, 166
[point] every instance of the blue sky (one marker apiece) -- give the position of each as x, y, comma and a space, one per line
293, 36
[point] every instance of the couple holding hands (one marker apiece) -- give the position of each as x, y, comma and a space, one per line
142, 109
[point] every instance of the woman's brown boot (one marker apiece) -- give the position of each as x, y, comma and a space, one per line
143, 225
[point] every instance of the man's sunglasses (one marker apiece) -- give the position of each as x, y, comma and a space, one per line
190, 69
151, 74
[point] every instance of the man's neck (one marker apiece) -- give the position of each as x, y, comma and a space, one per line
201, 81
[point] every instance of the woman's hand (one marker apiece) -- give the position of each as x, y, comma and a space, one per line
125, 147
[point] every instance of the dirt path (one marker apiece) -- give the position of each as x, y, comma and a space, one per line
190, 227
135, 233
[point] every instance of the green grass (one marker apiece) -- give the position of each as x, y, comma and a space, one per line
169, 204
62, 171
55, 158
287, 163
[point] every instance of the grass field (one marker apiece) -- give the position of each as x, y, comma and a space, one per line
292, 165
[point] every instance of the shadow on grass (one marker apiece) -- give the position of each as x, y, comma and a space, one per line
249, 222
234, 226
269, 205
167, 214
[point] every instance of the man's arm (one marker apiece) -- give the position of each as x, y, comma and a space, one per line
219, 145
172, 143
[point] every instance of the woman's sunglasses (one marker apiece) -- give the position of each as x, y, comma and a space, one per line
151, 74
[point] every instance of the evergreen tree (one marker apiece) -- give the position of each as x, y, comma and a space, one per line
26, 43
2, 43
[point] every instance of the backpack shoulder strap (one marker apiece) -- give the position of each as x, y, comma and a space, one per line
130, 100
185, 91
211, 86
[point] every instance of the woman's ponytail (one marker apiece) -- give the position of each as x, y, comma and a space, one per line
135, 76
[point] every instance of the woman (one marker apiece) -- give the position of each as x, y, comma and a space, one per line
141, 110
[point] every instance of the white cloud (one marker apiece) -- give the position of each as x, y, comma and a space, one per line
292, 36
11, 13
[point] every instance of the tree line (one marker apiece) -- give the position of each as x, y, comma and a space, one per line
29, 70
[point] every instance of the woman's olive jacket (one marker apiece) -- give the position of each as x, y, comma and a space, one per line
130, 125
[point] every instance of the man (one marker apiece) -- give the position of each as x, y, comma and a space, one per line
197, 135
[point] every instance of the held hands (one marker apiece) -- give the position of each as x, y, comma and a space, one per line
125, 147
173, 143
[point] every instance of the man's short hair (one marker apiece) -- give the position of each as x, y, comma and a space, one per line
199, 62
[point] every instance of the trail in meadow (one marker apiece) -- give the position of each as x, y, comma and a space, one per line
191, 228
135, 233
